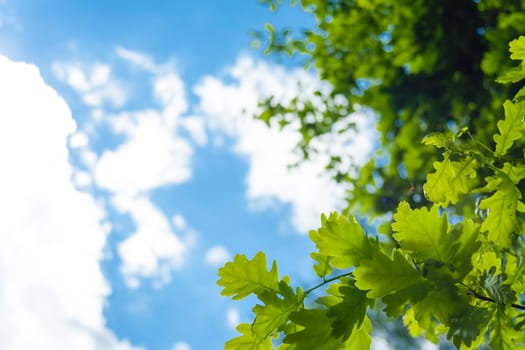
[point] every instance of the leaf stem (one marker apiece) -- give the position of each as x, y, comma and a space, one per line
485, 298
326, 281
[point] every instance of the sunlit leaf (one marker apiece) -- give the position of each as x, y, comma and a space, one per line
423, 232
501, 220
242, 277
342, 239
381, 276
511, 128
277, 309
450, 180
248, 340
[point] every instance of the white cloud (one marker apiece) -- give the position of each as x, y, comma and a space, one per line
92, 82
169, 91
426, 345
233, 317
228, 107
52, 290
179, 222
78, 140
181, 346
139, 59
153, 251
217, 256
196, 127
379, 343
153, 154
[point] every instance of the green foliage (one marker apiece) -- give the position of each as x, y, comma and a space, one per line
342, 240
461, 277
243, 277
510, 129
423, 66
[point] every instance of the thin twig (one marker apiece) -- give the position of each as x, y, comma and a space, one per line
485, 298
326, 281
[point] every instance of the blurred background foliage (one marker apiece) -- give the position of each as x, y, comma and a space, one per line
421, 66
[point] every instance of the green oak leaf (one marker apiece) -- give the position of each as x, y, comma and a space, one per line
438, 139
248, 340
242, 277
342, 239
322, 268
517, 48
512, 75
361, 338
349, 311
510, 128
450, 180
497, 289
423, 233
520, 95
466, 244
466, 327
381, 276
314, 331
395, 302
503, 334
271, 316
501, 220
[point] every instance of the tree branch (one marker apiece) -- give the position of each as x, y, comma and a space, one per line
485, 298
326, 281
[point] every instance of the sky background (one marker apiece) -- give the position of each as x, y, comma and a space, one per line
131, 170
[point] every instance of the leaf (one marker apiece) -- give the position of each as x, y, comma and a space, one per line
275, 312
361, 338
501, 220
467, 326
248, 340
451, 179
520, 95
503, 334
342, 239
349, 312
510, 129
512, 75
381, 276
423, 233
432, 312
315, 332
243, 277
322, 268
496, 287
517, 48
466, 244
395, 302
438, 139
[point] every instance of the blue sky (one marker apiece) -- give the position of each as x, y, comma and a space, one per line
132, 170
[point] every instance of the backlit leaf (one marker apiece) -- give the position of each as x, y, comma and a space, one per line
503, 334
381, 276
517, 48
342, 239
314, 332
501, 220
277, 309
242, 277
248, 340
512, 75
423, 233
361, 337
450, 180
510, 128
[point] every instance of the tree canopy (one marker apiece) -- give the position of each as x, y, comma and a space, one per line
450, 260
421, 66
